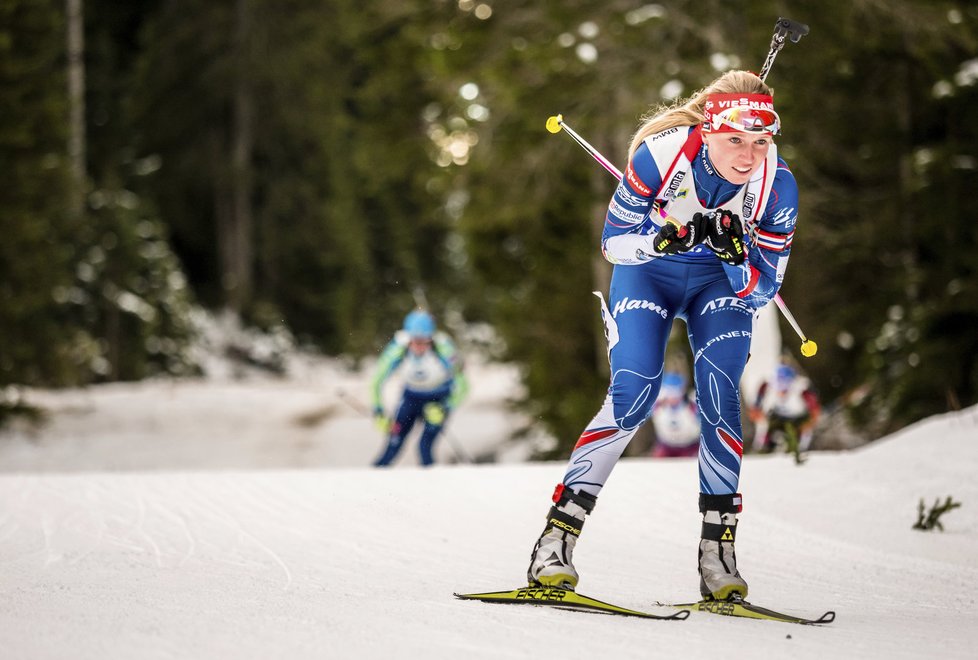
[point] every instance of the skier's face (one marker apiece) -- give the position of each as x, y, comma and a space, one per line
735, 155
419, 345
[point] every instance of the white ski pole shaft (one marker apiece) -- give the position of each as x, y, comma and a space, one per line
555, 123
808, 347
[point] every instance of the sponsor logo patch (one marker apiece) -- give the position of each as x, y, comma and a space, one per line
727, 302
630, 217
636, 182
668, 131
723, 104
786, 217
626, 197
625, 304
749, 200
735, 334
674, 185
782, 267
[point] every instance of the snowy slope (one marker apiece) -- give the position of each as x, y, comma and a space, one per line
361, 563
318, 416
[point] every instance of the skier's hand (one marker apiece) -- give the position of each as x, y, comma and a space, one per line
381, 421
434, 413
725, 236
673, 240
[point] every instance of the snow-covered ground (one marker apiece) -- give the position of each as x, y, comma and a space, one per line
223, 519
318, 417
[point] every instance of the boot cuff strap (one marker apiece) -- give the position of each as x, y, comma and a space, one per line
713, 532
564, 521
584, 500
732, 503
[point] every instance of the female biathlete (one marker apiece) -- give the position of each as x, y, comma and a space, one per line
700, 229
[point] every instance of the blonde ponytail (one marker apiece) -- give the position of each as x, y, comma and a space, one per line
689, 111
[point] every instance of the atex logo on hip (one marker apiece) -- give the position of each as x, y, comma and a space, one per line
626, 304
727, 302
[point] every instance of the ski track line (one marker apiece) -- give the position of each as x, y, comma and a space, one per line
85, 529
140, 528
216, 510
184, 526
50, 557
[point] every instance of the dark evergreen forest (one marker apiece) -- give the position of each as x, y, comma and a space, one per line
312, 165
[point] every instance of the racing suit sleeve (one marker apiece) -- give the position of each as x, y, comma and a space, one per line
459, 383
390, 358
628, 228
758, 279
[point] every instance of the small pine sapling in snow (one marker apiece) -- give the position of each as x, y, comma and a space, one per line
930, 520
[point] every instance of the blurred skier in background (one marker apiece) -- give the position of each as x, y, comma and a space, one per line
675, 418
434, 385
787, 408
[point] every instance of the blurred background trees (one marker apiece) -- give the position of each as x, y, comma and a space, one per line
310, 165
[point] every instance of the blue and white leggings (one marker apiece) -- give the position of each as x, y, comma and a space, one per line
409, 412
643, 301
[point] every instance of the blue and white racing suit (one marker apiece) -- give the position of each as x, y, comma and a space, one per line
671, 174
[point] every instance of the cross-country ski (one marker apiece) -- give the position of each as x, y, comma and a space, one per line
564, 598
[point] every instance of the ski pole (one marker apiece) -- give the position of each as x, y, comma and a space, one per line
556, 123
793, 31
808, 347
785, 28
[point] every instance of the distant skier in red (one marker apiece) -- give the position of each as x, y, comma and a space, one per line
787, 408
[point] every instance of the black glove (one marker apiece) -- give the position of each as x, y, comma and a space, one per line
725, 236
673, 240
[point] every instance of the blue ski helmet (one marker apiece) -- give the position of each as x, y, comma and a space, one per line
672, 379
785, 374
419, 324
673, 386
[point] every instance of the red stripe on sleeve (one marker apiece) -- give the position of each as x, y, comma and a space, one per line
636, 182
755, 276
